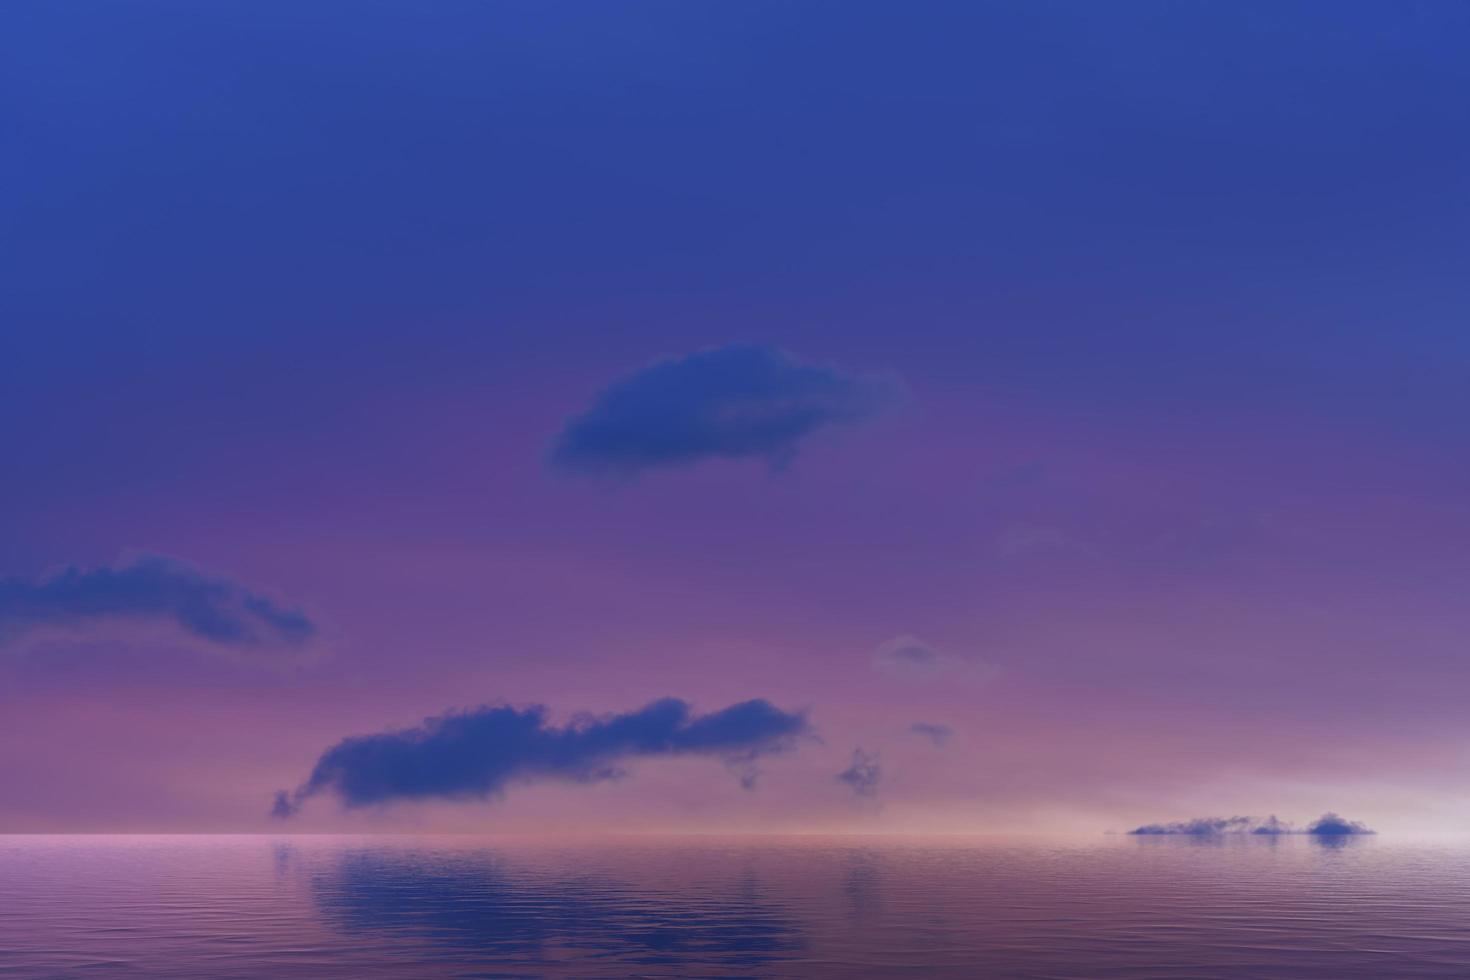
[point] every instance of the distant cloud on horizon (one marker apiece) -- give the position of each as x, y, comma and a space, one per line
151, 590
732, 402
477, 754
1327, 825
1331, 825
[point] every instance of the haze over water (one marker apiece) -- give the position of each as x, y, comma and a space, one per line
363, 907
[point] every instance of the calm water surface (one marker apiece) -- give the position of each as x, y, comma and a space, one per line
324, 907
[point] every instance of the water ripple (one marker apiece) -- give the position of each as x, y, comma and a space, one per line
325, 907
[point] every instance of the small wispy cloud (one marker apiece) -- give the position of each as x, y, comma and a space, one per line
151, 590
863, 775
1022, 540
911, 659
936, 733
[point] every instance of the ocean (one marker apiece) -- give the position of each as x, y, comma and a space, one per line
480, 907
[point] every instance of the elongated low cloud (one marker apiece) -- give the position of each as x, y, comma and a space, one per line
863, 775
150, 589
477, 754
728, 402
1328, 825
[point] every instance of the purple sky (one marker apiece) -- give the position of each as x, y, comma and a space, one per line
1088, 381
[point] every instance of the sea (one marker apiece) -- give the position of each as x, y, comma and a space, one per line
496, 907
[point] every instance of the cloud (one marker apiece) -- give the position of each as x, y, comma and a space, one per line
1329, 824
910, 658
728, 402
936, 733
863, 775
476, 754
151, 589
1021, 540
1272, 825
1198, 827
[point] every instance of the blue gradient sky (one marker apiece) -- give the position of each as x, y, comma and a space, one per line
1173, 489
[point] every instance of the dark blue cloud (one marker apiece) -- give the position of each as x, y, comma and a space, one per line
477, 754
863, 775
1329, 824
722, 403
150, 589
936, 733
1332, 825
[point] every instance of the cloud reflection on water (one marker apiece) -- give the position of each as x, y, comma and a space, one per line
481, 907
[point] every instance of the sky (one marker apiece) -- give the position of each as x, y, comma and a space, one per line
758, 416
